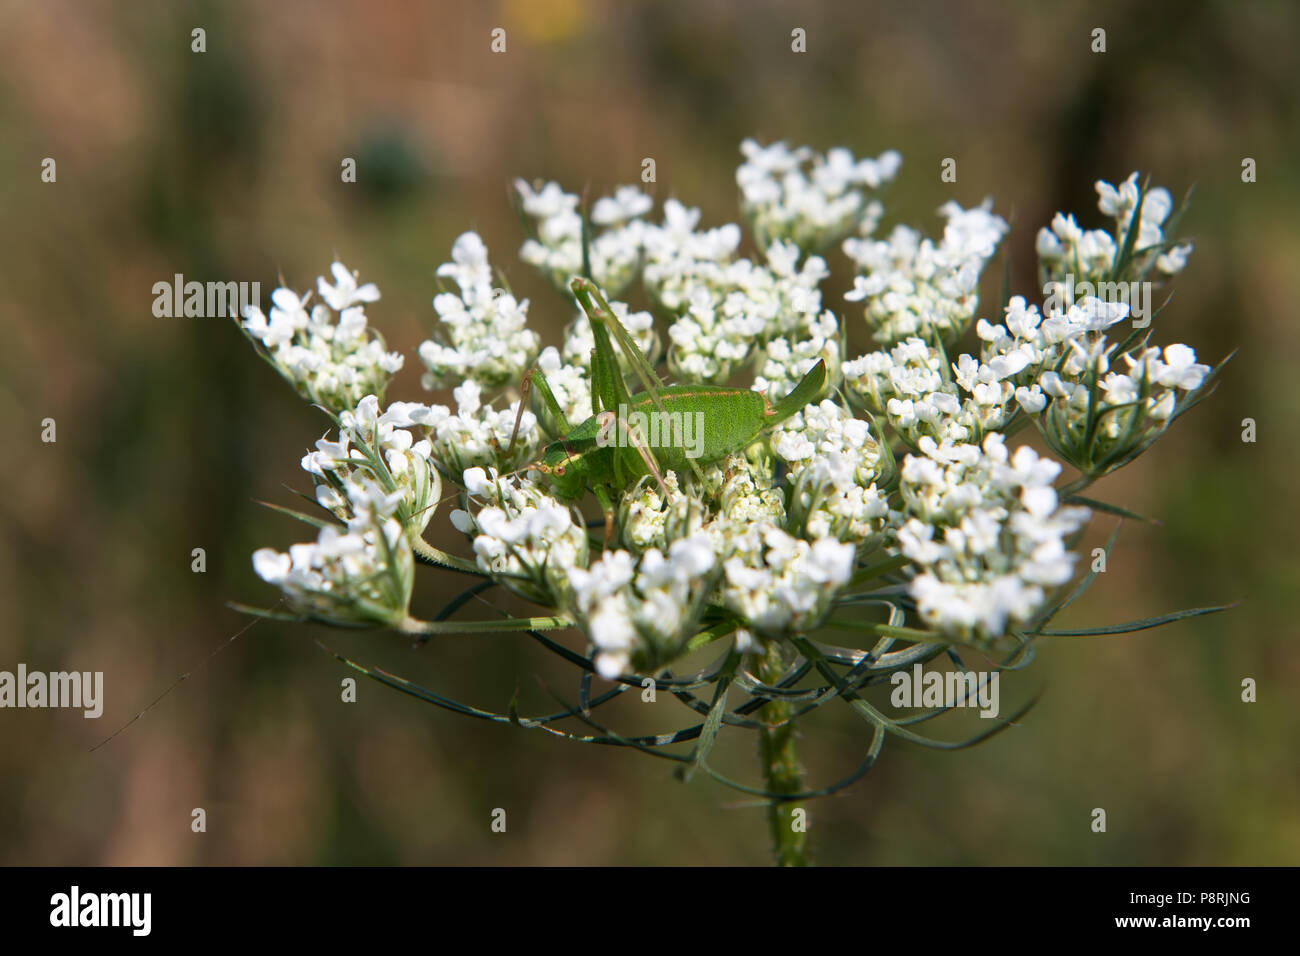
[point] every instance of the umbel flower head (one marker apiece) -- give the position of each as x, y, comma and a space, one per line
325, 350
371, 448
360, 573
639, 611
914, 287
522, 536
481, 333
557, 248
848, 515
807, 198
986, 534
476, 436
1092, 255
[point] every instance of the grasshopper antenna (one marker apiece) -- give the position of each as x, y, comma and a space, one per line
184, 677
586, 237
525, 388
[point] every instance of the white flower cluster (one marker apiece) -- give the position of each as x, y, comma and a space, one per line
730, 495
986, 534
678, 258
726, 309
1089, 412
614, 249
645, 513
376, 447
780, 584
807, 198
642, 610
746, 494
720, 541
361, 573
914, 287
784, 361
1130, 408
1089, 255
523, 536
327, 352
710, 340
1031, 345
908, 385
483, 326
835, 465
476, 435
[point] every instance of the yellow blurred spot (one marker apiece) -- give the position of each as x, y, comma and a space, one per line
546, 20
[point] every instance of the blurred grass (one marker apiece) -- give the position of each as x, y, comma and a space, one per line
226, 164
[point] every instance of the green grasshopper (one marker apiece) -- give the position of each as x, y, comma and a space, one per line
612, 450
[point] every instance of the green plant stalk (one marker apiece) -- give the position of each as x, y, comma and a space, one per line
1074, 487
776, 743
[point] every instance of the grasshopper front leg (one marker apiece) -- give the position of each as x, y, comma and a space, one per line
548, 397
609, 421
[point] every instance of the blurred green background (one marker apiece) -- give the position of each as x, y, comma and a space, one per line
225, 165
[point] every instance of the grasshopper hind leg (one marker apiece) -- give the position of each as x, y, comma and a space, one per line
637, 443
607, 506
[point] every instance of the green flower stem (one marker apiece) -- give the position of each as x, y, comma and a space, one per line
781, 767
426, 553
431, 628
863, 575
1074, 487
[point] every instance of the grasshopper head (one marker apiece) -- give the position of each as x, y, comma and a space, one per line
565, 469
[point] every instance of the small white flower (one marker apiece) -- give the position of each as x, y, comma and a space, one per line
271, 566
628, 202
345, 291
1175, 260
476, 481
1181, 369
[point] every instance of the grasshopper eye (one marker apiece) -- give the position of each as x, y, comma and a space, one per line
559, 469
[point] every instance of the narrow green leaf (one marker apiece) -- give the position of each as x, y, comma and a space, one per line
1141, 625
1083, 584
871, 571
304, 518
1130, 238
1107, 508
265, 613
713, 722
